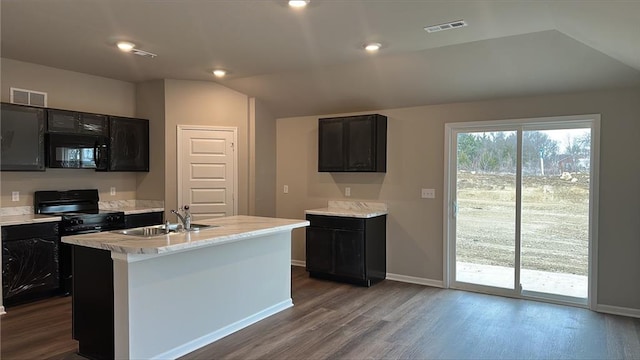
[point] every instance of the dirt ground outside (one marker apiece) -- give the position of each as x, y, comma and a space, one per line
555, 221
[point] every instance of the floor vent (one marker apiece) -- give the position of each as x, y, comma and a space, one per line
28, 97
447, 26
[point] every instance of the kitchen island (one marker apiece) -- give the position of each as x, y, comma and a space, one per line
165, 296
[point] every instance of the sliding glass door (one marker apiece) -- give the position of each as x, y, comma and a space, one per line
520, 207
555, 211
486, 194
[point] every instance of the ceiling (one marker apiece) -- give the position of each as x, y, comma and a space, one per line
311, 61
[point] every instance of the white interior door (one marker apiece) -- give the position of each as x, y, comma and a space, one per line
207, 166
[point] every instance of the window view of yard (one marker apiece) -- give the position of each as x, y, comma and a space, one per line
555, 210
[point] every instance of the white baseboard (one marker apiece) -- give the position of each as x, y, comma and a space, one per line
227, 330
415, 280
394, 277
299, 263
617, 310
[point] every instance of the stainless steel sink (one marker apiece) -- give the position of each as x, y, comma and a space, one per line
146, 231
159, 230
198, 227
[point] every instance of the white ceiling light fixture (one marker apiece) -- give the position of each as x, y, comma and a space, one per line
219, 73
446, 26
372, 47
298, 4
126, 46
131, 48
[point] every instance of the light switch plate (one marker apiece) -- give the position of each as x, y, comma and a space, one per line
285, 189
15, 196
112, 191
428, 193
347, 191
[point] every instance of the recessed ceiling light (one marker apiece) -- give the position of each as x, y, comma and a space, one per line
372, 47
298, 3
126, 46
219, 72
131, 48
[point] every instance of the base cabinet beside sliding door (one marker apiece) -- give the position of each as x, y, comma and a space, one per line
347, 249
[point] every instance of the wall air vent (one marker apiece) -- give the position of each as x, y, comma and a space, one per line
446, 26
28, 97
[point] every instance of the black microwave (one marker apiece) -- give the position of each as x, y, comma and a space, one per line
77, 151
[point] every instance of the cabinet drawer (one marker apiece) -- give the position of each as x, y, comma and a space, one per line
336, 222
29, 231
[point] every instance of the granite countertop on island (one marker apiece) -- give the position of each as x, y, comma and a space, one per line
226, 230
355, 209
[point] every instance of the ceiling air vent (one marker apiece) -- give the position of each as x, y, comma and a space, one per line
143, 53
28, 97
446, 26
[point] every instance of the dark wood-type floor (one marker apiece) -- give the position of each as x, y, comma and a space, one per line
389, 320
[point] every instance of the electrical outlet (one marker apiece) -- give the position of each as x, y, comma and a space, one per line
285, 189
428, 193
15, 196
112, 191
347, 191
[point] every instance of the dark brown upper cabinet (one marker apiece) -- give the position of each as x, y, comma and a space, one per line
22, 138
75, 122
129, 144
352, 144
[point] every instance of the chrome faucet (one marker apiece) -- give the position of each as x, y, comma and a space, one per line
185, 219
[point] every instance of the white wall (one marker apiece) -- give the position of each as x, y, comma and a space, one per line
73, 91
205, 103
416, 160
262, 161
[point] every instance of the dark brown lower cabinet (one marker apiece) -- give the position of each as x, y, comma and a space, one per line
92, 302
30, 267
347, 249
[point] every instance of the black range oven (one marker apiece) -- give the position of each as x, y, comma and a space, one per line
80, 215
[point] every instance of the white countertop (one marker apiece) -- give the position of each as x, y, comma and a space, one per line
30, 218
230, 229
355, 209
7, 220
128, 210
132, 206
